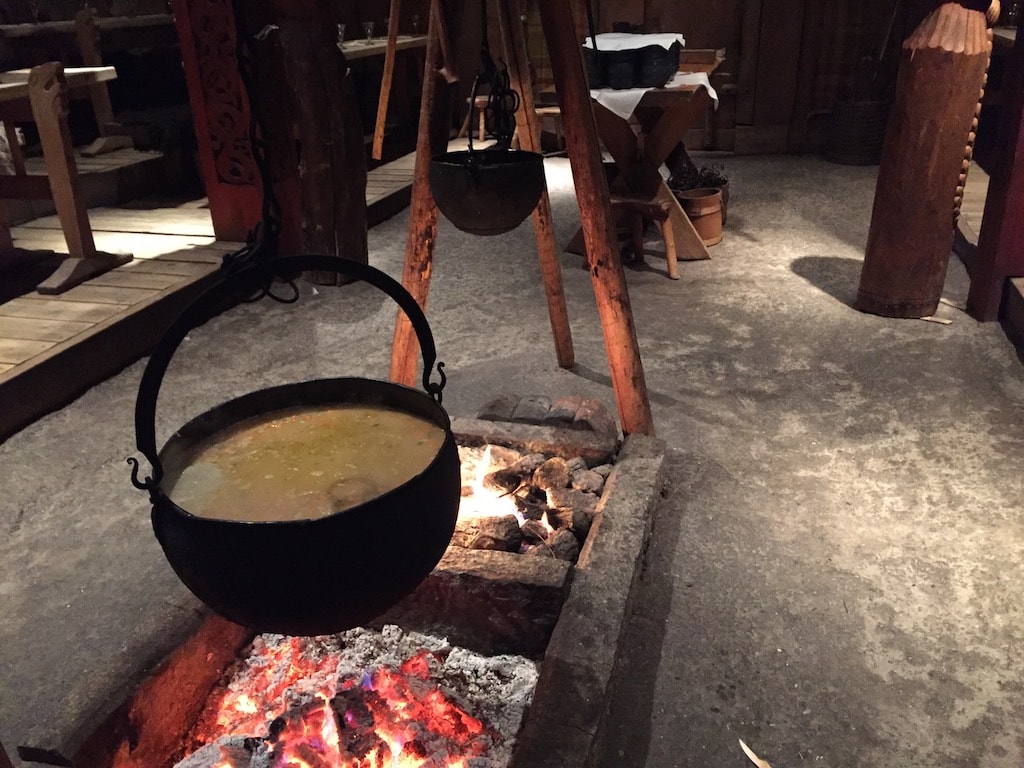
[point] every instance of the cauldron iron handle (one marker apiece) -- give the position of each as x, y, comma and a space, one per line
208, 304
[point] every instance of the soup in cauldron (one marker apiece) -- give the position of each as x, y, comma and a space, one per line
303, 463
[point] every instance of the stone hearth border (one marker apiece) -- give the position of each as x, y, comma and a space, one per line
564, 724
581, 615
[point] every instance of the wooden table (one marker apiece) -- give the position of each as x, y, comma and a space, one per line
361, 49
40, 95
664, 115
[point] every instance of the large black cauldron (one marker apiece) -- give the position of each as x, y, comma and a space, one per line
305, 577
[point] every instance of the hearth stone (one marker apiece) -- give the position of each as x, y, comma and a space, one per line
563, 411
586, 480
532, 409
594, 448
493, 533
553, 473
490, 602
561, 545
571, 412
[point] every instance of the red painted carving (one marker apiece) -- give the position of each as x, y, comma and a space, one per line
214, 36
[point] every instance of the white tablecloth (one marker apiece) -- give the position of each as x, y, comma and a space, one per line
627, 41
623, 102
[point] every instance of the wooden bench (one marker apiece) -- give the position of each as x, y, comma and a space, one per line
40, 95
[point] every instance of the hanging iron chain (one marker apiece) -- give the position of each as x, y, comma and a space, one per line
262, 244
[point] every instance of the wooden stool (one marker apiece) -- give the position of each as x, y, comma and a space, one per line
638, 211
480, 104
555, 113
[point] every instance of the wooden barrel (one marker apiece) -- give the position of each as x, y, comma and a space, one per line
942, 69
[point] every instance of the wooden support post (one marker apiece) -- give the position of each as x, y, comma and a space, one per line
1001, 240
385, 83
419, 246
49, 98
942, 68
332, 160
606, 272
528, 124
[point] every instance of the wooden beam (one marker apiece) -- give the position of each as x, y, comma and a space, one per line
606, 272
1001, 240
513, 41
422, 233
385, 83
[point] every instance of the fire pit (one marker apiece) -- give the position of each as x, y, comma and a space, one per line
565, 617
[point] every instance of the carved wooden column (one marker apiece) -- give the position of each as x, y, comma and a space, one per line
220, 112
942, 68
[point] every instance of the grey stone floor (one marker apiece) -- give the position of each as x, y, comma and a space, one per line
836, 572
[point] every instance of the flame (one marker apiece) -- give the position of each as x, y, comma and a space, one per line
478, 500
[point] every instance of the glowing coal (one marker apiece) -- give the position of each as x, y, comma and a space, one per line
364, 699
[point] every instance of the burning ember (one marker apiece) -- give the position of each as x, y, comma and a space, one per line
363, 699
528, 503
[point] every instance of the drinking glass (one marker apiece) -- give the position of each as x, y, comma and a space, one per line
415, 23
341, 33
368, 26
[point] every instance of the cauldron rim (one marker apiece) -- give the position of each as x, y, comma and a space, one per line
182, 440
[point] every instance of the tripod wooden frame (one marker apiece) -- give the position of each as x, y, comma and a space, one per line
584, 152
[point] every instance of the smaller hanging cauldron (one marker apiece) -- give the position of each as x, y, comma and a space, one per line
487, 192
316, 576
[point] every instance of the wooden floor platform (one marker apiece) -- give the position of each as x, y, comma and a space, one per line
53, 348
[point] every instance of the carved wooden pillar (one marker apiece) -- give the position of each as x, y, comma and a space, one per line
302, 92
220, 112
942, 68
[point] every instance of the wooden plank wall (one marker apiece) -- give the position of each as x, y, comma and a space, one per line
786, 60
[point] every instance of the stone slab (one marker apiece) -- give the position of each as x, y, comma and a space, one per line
593, 447
571, 699
490, 602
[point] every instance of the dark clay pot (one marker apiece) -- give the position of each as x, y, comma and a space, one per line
306, 577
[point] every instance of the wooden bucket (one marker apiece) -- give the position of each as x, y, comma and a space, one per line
704, 208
